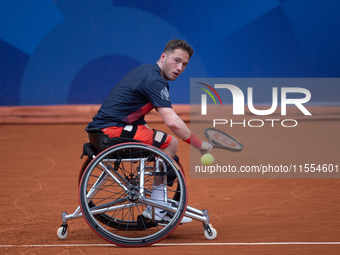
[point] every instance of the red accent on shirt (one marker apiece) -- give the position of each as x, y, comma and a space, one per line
138, 114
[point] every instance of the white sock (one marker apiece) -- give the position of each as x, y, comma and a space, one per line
157, 194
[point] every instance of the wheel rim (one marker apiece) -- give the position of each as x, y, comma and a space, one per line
121, 226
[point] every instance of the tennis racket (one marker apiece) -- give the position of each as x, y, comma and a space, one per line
221, 140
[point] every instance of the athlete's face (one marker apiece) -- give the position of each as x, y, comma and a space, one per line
174, 63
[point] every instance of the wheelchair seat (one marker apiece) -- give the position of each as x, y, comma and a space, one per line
101, 141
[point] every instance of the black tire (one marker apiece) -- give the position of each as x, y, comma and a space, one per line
113, 210
119, 223
103, 218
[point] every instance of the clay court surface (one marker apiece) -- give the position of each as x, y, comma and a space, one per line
39, 171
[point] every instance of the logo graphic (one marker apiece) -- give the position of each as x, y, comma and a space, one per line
204, 97
213, 90
165, 94
239, 102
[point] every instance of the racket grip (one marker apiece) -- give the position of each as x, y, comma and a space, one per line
207, 147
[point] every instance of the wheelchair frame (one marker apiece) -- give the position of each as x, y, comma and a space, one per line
116, 187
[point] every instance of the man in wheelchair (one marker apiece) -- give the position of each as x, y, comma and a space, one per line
142, 89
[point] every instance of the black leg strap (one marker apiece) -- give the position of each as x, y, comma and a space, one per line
171, 174
159, 137
129, 131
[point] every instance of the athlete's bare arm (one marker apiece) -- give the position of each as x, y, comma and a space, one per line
174, 122
181, 130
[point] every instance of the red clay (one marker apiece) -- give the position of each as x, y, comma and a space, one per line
39, 175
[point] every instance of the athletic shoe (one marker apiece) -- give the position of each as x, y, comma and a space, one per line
163, 216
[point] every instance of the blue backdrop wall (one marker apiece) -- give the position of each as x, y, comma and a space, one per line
73, 52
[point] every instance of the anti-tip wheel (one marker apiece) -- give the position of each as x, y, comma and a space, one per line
213, 233
61, 234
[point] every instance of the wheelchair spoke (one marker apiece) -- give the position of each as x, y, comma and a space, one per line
116, 191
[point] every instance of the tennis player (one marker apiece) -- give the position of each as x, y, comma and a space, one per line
142, 89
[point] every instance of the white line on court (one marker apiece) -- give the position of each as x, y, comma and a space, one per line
171, 244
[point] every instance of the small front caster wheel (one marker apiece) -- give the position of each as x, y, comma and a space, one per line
62, 233
210, 233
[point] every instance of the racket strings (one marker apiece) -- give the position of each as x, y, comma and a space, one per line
221, 140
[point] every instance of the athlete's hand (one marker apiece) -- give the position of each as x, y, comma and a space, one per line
205, 148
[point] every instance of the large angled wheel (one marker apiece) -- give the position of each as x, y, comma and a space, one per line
116, 188
119, 223
103, 218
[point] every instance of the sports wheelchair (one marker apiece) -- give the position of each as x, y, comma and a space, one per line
115, 186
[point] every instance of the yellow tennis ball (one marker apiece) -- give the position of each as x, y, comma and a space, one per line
207, 159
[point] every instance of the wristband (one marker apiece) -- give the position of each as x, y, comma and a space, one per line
194, 141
